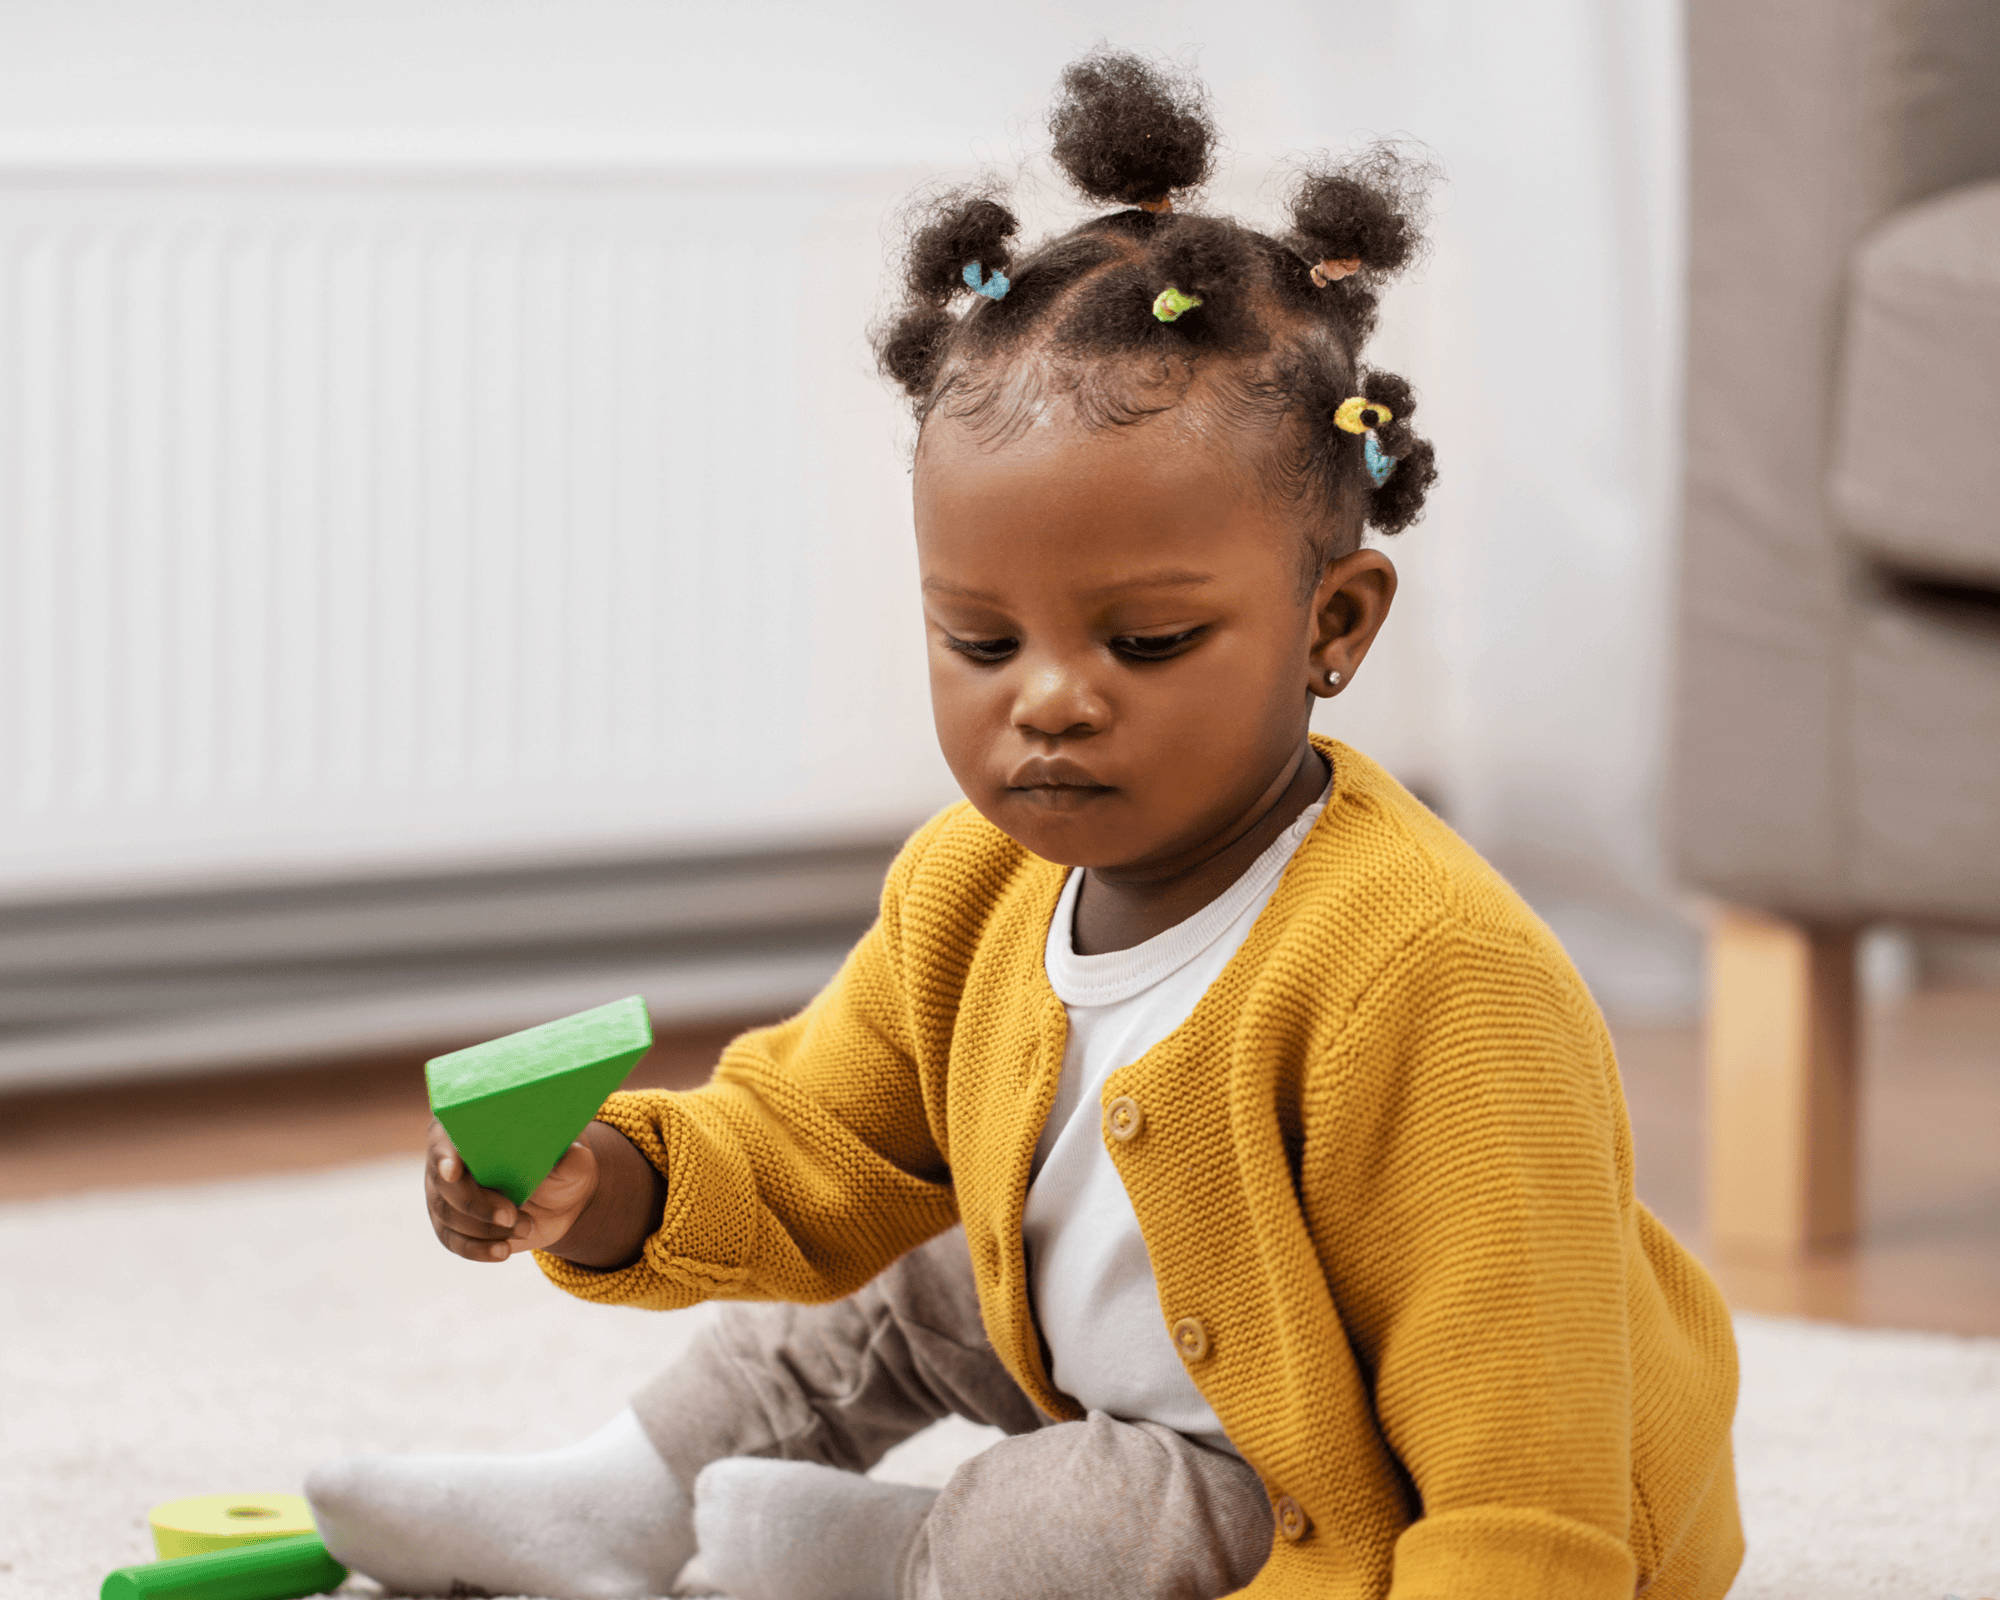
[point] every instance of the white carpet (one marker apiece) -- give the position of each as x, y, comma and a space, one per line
166, 1342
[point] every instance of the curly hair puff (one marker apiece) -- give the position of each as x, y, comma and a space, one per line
1273, 348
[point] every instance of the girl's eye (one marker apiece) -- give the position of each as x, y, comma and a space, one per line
1154, 647
982, 649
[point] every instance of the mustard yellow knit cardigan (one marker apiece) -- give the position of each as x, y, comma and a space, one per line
1384, 1167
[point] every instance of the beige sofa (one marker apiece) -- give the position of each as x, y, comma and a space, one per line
1837, 752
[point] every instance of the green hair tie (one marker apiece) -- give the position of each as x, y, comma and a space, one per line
1170, 304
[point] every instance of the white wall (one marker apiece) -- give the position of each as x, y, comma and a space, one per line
1522, 680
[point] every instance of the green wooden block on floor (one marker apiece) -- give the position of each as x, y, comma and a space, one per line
514, 1105
272, 1569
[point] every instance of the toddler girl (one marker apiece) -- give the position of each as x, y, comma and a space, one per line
1200, 1110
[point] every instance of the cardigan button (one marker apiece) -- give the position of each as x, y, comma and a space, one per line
1191, 1339
1293, 1523
1123, 1119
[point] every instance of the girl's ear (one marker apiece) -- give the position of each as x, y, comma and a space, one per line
1350, 604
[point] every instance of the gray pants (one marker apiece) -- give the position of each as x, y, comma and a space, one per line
1099, 1509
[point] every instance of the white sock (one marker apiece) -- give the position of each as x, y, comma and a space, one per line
792, 1530
601, 1519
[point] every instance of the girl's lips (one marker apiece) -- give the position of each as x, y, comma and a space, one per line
1059, 796
1053, 772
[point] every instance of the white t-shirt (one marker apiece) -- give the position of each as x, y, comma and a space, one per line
1088, 1270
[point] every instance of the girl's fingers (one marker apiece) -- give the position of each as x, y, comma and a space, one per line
474, 1201
475, 1249
446, 1164
491, 1217
479, 1224
576, 1171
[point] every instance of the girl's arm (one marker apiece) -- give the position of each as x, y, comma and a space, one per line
1472, 1203
811, 1161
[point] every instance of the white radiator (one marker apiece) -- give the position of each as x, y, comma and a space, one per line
357, 520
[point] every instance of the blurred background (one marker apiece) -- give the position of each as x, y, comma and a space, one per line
449, 495
455, 563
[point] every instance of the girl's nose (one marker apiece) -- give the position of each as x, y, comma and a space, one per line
1058, 702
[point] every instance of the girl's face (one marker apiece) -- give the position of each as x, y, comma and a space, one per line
1122, 665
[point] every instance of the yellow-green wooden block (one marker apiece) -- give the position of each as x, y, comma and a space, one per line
514, 1105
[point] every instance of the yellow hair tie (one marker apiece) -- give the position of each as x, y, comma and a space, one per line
1352, 416
1170, 303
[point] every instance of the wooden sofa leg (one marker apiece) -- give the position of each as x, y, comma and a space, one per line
1782, 1085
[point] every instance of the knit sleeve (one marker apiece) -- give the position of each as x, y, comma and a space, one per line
808, 1163
1469, 1189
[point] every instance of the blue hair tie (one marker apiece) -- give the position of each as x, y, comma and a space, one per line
994, 284
1380, 463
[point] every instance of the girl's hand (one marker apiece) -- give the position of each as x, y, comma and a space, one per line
483, 1224
597, 1209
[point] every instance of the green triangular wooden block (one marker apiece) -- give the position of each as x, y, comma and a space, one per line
514, 1105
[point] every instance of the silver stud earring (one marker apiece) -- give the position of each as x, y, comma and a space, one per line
1333, 680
